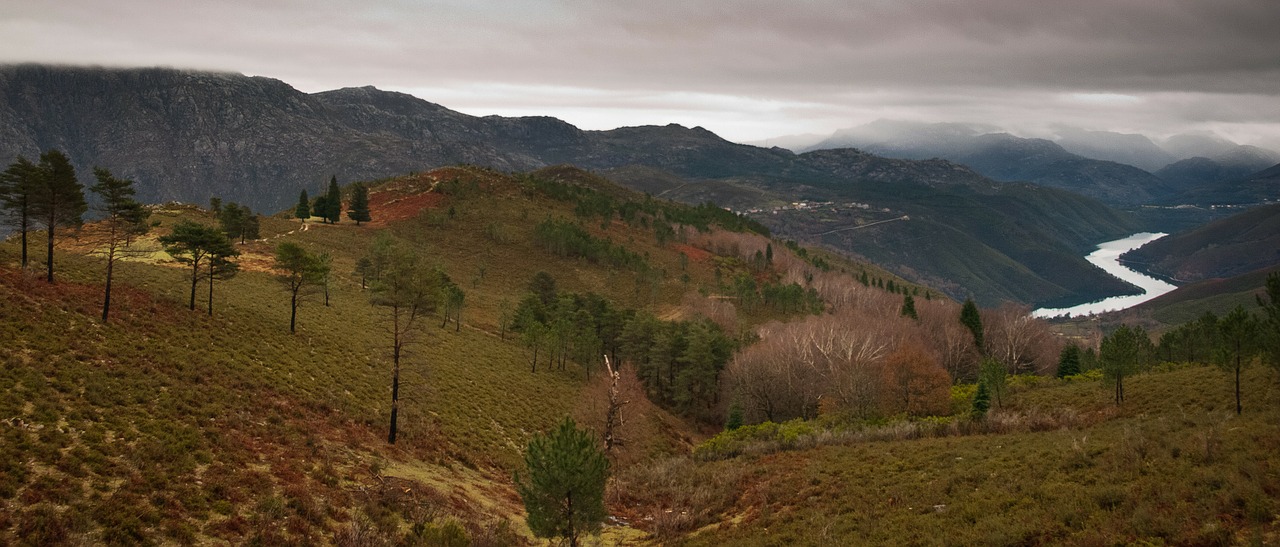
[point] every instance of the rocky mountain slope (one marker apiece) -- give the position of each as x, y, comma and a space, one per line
190, 136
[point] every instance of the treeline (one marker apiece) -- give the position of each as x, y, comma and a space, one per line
661, 215
1231, 342
678, 362
773, 295
328, 206
48, 194
569, 240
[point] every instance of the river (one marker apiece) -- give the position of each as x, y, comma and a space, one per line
1107, 257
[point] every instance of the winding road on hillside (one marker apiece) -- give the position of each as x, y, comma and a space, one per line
868, 225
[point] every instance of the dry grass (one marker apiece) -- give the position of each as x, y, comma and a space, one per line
167, 426
1060, 465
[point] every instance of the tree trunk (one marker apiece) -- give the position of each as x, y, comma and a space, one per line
573, 533
1239, 408
395, 378
106, 298
24, 242
293, 312
395, 403
195, 277
49, 275
210, 289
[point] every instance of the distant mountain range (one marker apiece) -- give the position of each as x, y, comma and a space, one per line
190, 136
1120, 169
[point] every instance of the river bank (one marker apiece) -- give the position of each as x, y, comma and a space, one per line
1107, 257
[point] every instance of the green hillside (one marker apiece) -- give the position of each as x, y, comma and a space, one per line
169, 425
1227, 247
1219, 296
1061, 465
165, 425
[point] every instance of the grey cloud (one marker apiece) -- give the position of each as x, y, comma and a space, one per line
829, 63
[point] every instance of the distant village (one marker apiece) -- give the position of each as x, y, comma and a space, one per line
812, 206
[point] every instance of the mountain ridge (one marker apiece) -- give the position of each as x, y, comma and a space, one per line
189, 136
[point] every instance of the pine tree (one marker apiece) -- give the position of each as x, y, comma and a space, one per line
972, 319
563, 492
333, 202
1121, 353
303, 210
124, 219
1069, 361
992, 374
364, 269
407, 291
232, 219
544, 286
909, 307
192, 243
359, 209
735, 418
299, 269
1270, 323
981, 401
59, 198
239, 222
221, 267
320, 208
17, 196
1237, 344
251, 226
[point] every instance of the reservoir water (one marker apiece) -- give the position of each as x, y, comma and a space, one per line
1107, 257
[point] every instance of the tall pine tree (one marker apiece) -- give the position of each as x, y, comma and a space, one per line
333, 202
1237, 344
1271, 318
195, 244
125, 219
221, 267
303, 210
359, 209
59, 198
17, 197
407, 291
1121, 354
299, 270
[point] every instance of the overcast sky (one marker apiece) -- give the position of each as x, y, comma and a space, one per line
746, 70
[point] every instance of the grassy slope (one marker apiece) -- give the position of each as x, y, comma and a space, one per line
143, 428
1189, 302
1173, 465
1227, 247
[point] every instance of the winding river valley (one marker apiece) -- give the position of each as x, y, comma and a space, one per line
1107, 257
